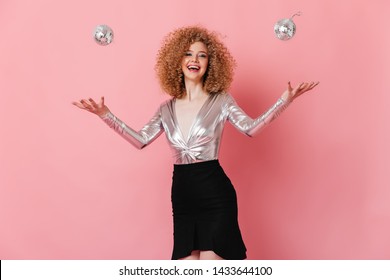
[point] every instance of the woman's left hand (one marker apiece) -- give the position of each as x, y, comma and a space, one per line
291, 93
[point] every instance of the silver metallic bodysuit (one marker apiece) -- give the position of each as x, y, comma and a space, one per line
203, 141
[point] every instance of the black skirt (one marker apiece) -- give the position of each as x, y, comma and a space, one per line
204, 206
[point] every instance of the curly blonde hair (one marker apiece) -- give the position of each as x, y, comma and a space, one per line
220, 70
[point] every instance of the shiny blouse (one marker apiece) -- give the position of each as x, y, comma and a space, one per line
205, 134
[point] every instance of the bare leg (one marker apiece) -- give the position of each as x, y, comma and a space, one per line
194, 256
209, 255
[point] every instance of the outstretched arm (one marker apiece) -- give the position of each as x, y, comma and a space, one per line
138, 139
251, 126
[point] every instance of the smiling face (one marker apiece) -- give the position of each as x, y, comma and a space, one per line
195, 62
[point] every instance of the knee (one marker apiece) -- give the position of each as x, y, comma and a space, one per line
194, 256
209, 255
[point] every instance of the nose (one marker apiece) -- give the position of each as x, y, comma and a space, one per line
195, 58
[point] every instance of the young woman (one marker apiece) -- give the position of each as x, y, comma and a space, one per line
196, 69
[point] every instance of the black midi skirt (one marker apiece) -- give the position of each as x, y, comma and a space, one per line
204, 204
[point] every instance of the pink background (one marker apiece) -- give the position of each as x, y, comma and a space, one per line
313, 185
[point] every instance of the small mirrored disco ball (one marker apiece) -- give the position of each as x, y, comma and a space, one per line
103, 35
285, 28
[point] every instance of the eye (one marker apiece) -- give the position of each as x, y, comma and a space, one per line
188, 54
203, 55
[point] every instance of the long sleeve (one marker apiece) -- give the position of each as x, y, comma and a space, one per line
239, 119
139, 139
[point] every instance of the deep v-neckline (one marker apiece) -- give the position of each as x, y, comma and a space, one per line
194, 121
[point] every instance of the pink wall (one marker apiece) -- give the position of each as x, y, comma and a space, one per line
313, 185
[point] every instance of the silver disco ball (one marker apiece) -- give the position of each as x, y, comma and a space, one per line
285, 28
103, 35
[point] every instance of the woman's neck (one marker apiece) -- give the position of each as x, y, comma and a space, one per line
194, 90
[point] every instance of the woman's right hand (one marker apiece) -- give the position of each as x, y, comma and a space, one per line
91, 106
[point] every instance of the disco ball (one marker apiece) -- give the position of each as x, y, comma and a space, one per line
103, 35
285, 28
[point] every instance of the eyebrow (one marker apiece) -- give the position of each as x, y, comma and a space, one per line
199, 51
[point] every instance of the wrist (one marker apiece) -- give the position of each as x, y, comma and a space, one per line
286, 98
104, 114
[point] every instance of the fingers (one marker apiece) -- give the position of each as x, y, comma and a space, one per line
93, 103
86, 105
79, 105
299, 89
289, 87
309, 85
91, 106
303, 87
313, 85
82, 104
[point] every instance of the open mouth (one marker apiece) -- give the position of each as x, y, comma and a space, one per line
193, 68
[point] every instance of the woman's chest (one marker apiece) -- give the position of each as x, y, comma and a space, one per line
187, 114
195, 123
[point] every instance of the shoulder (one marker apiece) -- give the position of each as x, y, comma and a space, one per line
224, 101
225, 97
166, 106
166, 103
222, 95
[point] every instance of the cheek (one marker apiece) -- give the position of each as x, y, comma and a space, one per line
184, 62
